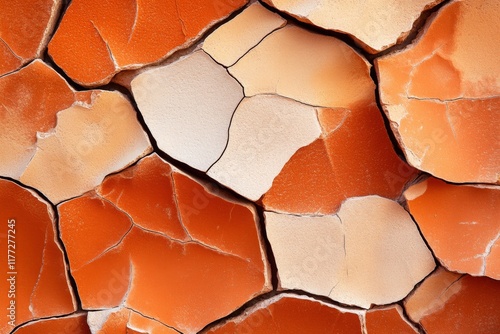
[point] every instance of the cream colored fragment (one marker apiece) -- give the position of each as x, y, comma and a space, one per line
304, 249
432, 294
311, 68
377, 25
232, 40
188, 106
265, 132
374, 253
86, 145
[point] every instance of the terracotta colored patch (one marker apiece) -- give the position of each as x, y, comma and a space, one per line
29, 102
388, 320
170, 274
25, 28
375, 25
97, 39
73, 324
340, 164
124, 320
35, 283
460, 223
441, 94
450, 304
291, 314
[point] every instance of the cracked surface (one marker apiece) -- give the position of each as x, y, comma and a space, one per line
441, 94
446, 302
240, 167
195, 98
369, 253
36, 270
88, 142
136, 267
74, 324
460, 223
374, 25
98, 39
25, 29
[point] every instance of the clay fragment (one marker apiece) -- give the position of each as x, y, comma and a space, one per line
168, 274
25, 29
96, 39
441, 94
188, 106
449, 303
374, 25
290, 314
266, 130
29, 102
370, 253
90, 141
320, 70
461, 223
36, 283
74, 324
231, 41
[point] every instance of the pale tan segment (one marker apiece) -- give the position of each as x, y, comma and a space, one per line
311, 68
266, 130
188, 106
232, 40
375, 25
369, 253
89, 142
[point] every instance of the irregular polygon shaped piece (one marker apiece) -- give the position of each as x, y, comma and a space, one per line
74, 324
369, 253
461, 223
319, 70
447, 303
441, 94
89, 142
291, 314
340, 164
266, 130
97, 39
188, 106
36, 283
25, 29
231, 41
29, 102
153, 271
375, 25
